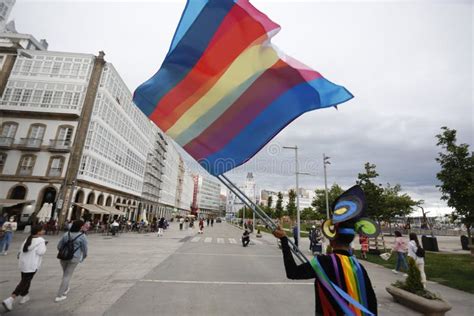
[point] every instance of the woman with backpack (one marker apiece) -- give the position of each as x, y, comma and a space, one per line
30, 257
416, 252
72, 249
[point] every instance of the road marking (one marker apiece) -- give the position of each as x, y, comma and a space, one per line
232, 241
208, 239
226, 282
196, 239
220, 240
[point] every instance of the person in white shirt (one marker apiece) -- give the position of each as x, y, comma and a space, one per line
413, 246
30, 255
8, 227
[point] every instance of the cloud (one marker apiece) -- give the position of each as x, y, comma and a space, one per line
409, 65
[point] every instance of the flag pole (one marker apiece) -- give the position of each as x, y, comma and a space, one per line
257, 210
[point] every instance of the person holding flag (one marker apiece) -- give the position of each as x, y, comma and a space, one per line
342, 285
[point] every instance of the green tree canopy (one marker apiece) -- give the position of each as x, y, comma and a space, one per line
279, 206
456, 177
291, 206
308, 213
373, 192
395, 204
319, 201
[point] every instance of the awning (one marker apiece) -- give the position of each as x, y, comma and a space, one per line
11, 202
112, 210
92, 208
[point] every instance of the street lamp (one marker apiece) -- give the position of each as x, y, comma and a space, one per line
326, 162
297, 173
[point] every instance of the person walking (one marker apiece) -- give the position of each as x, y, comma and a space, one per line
181, 223
30, 257
364, 245
400, 247
245, 238
416, 252
76, 241
212, 222
201, 226
8, 228
161, 226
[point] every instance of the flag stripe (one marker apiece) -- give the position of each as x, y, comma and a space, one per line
254, 60
270, 121
237, 32
280, 78
184, 56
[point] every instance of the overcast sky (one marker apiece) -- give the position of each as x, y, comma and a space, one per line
409, 65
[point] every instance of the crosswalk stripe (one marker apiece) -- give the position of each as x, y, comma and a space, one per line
232, 241
208, 239
220, 240
196, 239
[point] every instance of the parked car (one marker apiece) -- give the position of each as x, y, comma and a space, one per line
218, 220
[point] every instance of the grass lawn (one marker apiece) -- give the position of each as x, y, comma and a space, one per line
453, 270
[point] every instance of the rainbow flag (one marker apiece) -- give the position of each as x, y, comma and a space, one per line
224, 91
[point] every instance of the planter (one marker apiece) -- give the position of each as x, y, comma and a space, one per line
418, 303
259, 235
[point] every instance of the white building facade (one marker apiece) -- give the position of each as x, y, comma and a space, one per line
71, 135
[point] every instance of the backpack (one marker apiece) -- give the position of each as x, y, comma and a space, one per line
420, 252
67, 250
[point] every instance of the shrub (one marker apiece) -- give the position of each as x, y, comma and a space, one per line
413, 282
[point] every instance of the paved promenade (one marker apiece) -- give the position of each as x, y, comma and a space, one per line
186, 274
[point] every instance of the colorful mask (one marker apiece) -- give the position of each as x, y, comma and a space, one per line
350, 207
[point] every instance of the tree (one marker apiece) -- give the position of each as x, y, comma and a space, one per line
457, 178
291, 206
373, 192
394, 204
248, 213
308, 214
279, 206
319, 201
269, 201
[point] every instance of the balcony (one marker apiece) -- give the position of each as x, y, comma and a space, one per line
55, 172
59, 145
6, 142
30, 143
25, 171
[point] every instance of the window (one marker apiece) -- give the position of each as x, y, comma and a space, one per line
56, 166
64, 136
3, 159
25, 167
36, 131
9, 129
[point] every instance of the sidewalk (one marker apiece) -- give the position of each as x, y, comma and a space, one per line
107, 273
462, 302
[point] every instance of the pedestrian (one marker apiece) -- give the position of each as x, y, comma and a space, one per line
315, 245
212, 222
245, 238
8, 228
364, 245
416, 252
78, 246
181, 223
114, 227
201, 226
400, 247
161, 226
342, 285
295, 235
208, 220
30, 257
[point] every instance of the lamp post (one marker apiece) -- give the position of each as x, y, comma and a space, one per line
298, 227
326, 162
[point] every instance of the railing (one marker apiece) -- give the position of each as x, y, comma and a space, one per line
60, 144
30, 143
25, 171
6, 141
55, 172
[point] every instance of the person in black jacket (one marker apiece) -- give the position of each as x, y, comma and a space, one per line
339, 271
